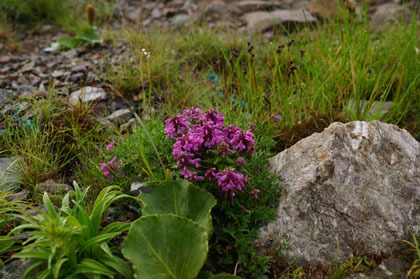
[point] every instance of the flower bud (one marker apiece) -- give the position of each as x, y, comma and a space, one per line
240, 162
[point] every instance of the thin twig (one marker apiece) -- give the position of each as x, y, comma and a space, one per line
236, 267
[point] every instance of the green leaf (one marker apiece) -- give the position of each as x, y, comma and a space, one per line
166, 246
205, 275
42, 255
117, 264
49, 206
57, 267
89, 35
181, 198
98, 240
90, 266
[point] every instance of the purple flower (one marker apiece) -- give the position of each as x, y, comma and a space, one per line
190, 142
110, 168
215, 118
110, 145
230, 182
191, 175
255, 192
176, 126
245, 210
277, 117
193, 114
229, 132
211, 134
210, 174
243, 141
122, 139
184, 158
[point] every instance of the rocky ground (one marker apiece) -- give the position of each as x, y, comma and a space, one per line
35, 67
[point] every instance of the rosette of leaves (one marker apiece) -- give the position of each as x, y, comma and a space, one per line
70, 243
170, 240
88, 36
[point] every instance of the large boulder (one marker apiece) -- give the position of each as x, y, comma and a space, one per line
354, 188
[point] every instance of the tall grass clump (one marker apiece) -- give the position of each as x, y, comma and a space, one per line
51, 141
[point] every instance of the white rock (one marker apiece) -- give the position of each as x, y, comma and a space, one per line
137, 188
87, 94
120, 115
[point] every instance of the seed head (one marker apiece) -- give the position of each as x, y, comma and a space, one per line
90, 13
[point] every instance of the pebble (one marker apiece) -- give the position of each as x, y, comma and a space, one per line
138, 188
87, 94
120, 115
180, 19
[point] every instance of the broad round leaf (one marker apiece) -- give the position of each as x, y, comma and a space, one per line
166, 246
181, 198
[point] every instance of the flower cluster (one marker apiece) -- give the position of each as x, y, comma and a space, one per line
110, 168
202, 138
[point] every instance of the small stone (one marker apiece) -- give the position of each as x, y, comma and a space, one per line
51, 186
28, 67
253, 5
155, 13
34, 80
146, 22
138, 188
5, 96
15, 269
57, 74
22, 80
134, 16
389, 268
48, 49
79, 68
70, 54
87, 94
26, 88
120, 115
46, 28
76, 77
106, 123
129, 125
8, 179
180, 19
5, 70
19, 196
6, 59
8, 108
